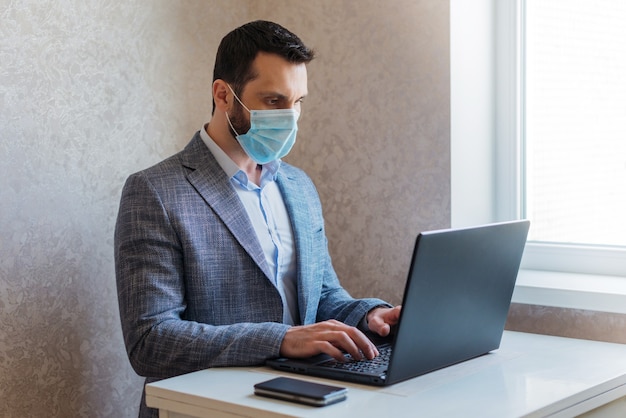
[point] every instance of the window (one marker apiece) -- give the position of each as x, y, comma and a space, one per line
575, 121
561, 131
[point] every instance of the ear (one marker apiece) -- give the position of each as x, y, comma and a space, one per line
222, 95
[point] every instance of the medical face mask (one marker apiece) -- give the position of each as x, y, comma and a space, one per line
271, 135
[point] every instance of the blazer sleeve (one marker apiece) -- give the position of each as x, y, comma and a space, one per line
322, 295
335, 300
159, 340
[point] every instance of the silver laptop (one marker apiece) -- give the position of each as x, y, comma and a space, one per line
455, 305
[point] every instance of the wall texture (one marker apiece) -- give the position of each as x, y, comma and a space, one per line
91, 91
566, 322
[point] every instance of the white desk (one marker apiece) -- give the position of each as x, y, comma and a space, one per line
529, 376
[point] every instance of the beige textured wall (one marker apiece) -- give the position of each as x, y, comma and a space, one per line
89, 92
92, 91
567, 322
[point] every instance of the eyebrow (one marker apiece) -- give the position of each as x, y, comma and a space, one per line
277, 95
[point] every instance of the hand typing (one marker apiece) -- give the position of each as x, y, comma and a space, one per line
380, 320
329, 337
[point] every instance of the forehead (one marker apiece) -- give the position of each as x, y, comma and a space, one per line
275, 74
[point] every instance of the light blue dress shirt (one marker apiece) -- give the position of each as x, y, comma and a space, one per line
268, 215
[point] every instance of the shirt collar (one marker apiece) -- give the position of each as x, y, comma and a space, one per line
269, 173
228, 165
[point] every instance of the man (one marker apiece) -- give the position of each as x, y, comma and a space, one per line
221, 255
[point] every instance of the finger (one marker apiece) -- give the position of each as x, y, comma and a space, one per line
350, 340
396, 313
384, 320
360, 346
377, 324
384, 330
342, 342
330, 349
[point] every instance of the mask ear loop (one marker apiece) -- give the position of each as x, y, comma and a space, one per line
240, 102
231, 125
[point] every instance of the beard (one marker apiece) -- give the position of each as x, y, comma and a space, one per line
239, 121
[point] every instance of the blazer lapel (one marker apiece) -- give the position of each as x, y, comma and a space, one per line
298, 209
208, 178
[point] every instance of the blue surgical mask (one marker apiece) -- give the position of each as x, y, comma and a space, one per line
271, 135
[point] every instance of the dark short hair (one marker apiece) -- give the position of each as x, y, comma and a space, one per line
237, 50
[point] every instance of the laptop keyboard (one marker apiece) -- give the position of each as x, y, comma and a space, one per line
362, 366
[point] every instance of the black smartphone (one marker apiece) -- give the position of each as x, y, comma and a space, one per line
300, 391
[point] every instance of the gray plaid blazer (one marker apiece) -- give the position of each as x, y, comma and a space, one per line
194, 288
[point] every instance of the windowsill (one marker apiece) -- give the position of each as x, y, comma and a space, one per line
570, 290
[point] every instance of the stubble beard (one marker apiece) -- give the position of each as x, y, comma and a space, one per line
238, 121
